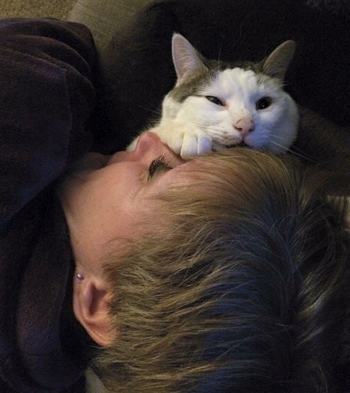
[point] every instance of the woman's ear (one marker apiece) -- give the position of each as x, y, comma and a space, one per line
91, 305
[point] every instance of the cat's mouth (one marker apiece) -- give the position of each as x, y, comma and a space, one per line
241, 144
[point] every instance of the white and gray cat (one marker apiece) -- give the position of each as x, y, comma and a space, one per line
216, 105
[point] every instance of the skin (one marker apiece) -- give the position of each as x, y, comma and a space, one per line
112, 195
105, 200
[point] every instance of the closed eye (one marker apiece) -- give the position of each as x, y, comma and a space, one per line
214, 100
158, 166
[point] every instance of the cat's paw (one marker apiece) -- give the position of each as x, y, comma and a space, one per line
187, 141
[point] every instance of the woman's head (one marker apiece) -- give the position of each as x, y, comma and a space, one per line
109, 203
106, 197
239, 284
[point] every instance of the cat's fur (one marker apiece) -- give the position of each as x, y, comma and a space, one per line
192, 124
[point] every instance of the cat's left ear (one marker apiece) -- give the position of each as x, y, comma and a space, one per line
277, 63
187, 61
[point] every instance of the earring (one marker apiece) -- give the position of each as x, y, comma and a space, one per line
80, 276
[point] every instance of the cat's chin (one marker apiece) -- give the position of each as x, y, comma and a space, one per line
241, 144
224, 147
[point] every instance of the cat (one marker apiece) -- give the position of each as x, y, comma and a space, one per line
215, 105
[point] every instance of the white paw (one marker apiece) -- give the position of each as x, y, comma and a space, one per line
188, 141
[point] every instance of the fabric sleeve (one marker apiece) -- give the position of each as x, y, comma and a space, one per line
47, 96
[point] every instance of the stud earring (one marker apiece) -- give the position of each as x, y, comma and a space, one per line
80, 276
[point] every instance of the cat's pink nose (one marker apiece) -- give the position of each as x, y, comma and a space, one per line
244, 126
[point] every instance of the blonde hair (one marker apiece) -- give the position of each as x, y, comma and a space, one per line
242, 288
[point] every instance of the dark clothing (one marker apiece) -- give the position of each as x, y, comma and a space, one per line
47, 96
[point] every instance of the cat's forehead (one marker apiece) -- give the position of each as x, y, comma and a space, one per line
240, 82
239, 79
193, 86
227, 81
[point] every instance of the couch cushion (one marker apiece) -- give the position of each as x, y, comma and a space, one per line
105, 17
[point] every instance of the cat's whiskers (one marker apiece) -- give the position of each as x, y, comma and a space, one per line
209, 126
202, 125
206, 128
219, 55
292, 149
156, 110
217, 133
299, 153
199, 125
272, 142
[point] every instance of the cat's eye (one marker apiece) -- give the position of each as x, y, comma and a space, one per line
214, 100
159, 164
263, 103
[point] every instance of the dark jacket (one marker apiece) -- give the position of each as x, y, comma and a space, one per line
47, 96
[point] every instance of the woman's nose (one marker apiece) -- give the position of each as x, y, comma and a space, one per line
149, 146
148, 142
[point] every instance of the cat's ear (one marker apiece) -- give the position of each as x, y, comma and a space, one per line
187, 61
277, 63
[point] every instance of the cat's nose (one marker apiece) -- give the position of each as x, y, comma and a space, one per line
244, 126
